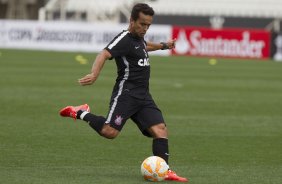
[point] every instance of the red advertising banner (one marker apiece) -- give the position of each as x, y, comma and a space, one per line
236, 43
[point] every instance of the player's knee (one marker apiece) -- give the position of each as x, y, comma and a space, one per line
109, 132
158, 131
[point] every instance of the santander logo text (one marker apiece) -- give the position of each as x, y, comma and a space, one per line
225, 43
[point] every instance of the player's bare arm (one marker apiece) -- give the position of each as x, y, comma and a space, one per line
160, 46
96, 68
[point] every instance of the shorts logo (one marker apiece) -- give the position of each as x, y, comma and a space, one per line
118, 120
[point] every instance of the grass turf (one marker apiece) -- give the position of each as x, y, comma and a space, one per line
224, 120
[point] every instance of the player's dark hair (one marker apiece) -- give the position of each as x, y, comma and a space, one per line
141, 7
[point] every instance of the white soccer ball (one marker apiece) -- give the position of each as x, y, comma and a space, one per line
154, 168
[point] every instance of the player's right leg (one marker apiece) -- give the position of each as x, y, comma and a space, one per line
96, 122
71, 111
121, 108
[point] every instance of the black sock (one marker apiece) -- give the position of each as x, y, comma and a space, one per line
96, 122
160, 148
78, 113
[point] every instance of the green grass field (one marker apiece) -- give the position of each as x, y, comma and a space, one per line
224, 120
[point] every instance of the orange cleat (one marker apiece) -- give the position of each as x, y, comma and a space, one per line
172, 176
71, 111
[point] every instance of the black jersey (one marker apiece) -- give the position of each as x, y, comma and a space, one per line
133, 67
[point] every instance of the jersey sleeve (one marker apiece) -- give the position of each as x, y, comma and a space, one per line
119, 46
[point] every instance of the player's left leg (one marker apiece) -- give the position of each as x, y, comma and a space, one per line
150, 121
160, 148
160, 140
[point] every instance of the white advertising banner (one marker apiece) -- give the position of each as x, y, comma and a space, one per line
69, 36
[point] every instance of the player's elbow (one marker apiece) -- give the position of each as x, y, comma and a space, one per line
105, 54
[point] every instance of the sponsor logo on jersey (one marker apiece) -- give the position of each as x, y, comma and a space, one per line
144, 62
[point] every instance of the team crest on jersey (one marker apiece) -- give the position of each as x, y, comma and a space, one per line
118, 120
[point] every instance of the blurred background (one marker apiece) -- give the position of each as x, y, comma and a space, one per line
263, 15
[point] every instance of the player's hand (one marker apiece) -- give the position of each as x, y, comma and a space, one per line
171, 43
87, 79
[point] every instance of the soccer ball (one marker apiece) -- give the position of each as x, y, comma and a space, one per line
154, 168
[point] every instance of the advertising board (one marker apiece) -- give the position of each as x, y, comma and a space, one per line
237, 43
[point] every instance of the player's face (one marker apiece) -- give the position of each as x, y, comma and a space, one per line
141, 25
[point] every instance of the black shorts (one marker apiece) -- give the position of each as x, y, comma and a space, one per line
144, 112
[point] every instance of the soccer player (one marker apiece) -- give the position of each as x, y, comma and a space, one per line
130, 96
